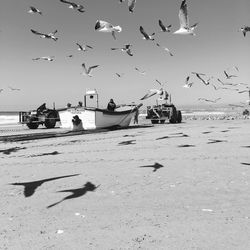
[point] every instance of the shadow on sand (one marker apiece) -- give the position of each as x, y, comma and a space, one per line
155, 167
87, 187
30, 187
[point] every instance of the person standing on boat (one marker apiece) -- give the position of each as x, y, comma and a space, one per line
111, 105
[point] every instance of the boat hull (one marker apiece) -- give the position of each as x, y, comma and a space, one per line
94, 118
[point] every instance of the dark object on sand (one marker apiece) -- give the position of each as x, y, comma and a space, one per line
41, 116
246, 112
155, 167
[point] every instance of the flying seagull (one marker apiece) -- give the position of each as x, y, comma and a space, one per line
126, 48
228, 76
187, 83
46, 58
152, 92
131, 5
33, 10
119, 75
13, 89
83, 47
245, 29
88, 70
142, 72
43, 35
207, 100
165, 48
163, 27
185, 29
104, 26
74, 6
145, 35
206, 82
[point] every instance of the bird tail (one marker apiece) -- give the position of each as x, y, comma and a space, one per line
118, 28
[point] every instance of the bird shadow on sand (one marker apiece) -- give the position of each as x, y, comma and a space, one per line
215, 141
224, 131
169, 137
206, 132
155, 167
245, 163
44, 154
76, 193
11, 150
30, 187
126, 142
245, 146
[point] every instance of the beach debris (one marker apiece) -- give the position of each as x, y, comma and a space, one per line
87, 71
163, 27
185, 29
59, 231
33, 10
126, 142
74, 6
206, 210
76, 193
30, 187
78, 214
11, 150
126, 49
155, 167
145, 35
104, 26
44, 35
245, 29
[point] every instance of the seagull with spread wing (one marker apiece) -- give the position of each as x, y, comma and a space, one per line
74, 6
46, 58
43, 35
104, 26
207, 100
145, 35
142, 72
245, 29
126, 49
206, 82
33, 10
187, 83
185, 29
83, 47
165, 49
228, 76
163, 27
153, 92
87, 71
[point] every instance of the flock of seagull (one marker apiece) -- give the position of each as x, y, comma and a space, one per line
104, 26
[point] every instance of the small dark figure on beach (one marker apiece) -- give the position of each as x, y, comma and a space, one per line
79, 104
136, 116
68, 105
111, 105
77, 123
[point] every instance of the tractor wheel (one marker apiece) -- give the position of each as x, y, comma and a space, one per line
173, 116
162, 121
179, 116
33, 124
50, 120
154, 121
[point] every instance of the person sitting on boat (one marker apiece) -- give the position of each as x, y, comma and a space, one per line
111, 105
41, 108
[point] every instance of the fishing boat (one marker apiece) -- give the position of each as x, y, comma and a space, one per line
95, 117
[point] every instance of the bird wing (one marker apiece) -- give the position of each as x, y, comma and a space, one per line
84, 67
183, 15
131, 5
159, 82
79, 45
64, 1
81, 8
36, 32
144, 33
89, 47
129, 52
187, 79
92, 67
162, 25
150, 93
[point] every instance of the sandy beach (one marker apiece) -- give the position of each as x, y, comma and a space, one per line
168, 186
